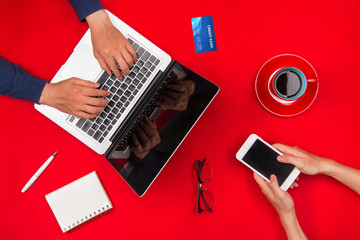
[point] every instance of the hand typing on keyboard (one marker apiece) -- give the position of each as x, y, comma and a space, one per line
76, 97
176, 95
144, 139
111, 48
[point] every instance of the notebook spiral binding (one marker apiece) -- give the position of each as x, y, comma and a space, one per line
87, 218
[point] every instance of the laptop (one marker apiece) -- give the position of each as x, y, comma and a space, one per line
131, 100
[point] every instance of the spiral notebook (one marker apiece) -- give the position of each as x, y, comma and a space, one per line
79, 201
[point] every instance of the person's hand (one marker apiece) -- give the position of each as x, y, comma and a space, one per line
177, 95
295, 184
75, 96
306, 162
145, 138
111, 48
284, 205
280, 199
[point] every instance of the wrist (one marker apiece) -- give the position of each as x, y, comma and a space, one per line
287, 215
325, 165
44, 98
97, 18
291, 225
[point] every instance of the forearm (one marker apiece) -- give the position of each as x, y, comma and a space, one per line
17, 83
292, 226
344, 174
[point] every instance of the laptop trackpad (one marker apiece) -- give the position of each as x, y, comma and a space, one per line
82, 64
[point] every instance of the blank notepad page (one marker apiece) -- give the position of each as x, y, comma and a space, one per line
78, 201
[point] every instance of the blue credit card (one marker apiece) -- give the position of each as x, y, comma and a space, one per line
204, 35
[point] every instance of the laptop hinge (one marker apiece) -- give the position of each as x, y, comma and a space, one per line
139, 107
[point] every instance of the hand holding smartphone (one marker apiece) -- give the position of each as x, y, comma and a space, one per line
260, 157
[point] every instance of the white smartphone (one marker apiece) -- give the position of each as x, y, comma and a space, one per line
260, 157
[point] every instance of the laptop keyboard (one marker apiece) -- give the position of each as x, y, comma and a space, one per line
147, 112
122, 92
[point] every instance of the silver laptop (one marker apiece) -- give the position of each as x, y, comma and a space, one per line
132, 99
97, 133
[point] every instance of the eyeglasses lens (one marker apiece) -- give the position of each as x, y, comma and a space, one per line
205, 172
206, 200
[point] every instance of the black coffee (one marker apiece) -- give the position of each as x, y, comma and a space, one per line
287, 84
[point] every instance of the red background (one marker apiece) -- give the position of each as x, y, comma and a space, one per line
40, 35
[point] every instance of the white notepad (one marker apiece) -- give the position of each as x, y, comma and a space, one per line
78, 201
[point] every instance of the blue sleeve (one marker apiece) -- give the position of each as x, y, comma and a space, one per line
16, 82
84, 8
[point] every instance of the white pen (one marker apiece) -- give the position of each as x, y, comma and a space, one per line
38, 172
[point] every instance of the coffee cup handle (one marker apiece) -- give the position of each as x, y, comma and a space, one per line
312, 80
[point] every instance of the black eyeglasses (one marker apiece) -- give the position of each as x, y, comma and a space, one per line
204, 174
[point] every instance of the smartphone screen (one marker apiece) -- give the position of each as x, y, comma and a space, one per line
263, 159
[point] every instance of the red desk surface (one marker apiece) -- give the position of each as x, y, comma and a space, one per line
40, 36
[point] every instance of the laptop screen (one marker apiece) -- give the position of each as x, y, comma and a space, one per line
173, 125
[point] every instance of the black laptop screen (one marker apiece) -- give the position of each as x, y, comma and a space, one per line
140, 169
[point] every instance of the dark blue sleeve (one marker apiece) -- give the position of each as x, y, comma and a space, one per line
16, 82
84, 8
